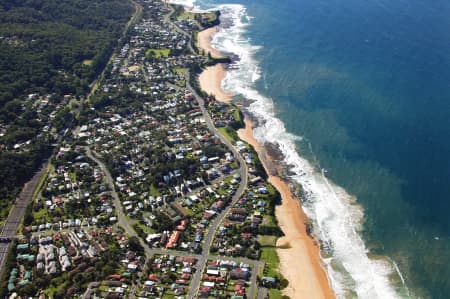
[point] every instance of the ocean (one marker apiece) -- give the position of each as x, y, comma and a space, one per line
356, 94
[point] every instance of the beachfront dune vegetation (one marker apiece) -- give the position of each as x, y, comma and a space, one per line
203, 20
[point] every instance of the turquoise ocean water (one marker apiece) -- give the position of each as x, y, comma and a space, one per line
357, 96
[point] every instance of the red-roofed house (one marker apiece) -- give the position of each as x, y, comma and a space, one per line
173, 240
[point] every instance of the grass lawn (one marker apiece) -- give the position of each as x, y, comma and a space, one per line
269, 220
229, 133
189, 211
154, 191
237, 115
146, 229
186, 15
224, 132
270, 257
87, 62
181, 83
275, 294
73, 176
228, 179
41, 216
271, 189
180, 70
222, 192
267, 240
207, 16
157, 53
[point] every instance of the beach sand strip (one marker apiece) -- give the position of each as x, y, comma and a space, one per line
300, 261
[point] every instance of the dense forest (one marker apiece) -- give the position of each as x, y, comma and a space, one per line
47, 47
56, 45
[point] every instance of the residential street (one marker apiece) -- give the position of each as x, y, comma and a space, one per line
210, 226
218, 220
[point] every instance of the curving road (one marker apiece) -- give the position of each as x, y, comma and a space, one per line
204, 256
218, 220
121, 217
177, 29
195, 284
243, 171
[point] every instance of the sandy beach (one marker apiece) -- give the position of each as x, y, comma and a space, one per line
211, 78
300, 261
204, 38
211, 82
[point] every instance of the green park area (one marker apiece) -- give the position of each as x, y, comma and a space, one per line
157, 53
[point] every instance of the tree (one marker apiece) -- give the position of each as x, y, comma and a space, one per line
56, 38
135, 245
27, 290
108, 270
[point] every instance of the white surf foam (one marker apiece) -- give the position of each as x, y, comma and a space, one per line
336, 216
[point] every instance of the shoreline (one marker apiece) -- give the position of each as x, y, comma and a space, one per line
211, 78
310, 279
211, 82
204, 39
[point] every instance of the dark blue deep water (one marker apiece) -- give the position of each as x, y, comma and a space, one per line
367, 84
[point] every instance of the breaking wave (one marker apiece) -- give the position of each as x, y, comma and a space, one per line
336, 216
